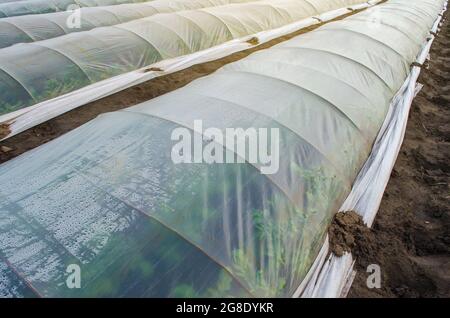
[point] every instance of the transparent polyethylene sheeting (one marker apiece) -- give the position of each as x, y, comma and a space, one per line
367, 191
10, 1
17, 8
38, 27
108, 197
34, 72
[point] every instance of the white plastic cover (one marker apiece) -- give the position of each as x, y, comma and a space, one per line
24, 118
38, 27
34, 72
9, 1
374, 176
332, 277
108, 197
16, 8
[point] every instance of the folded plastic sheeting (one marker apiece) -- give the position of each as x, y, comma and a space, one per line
108, 197
15, 8
40, 27
72, 61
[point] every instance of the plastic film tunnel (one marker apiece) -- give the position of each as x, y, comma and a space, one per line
38, 27
72, 61
108, 197
10, 1
17, 8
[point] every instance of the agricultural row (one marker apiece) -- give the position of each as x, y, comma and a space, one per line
108, 196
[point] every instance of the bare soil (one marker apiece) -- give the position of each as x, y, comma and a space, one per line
410, 239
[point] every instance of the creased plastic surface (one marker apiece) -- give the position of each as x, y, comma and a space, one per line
328, 277
107, 196
38, 27
72, 61
24, 118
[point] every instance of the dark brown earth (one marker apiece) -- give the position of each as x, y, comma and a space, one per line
410, 239
58, 126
